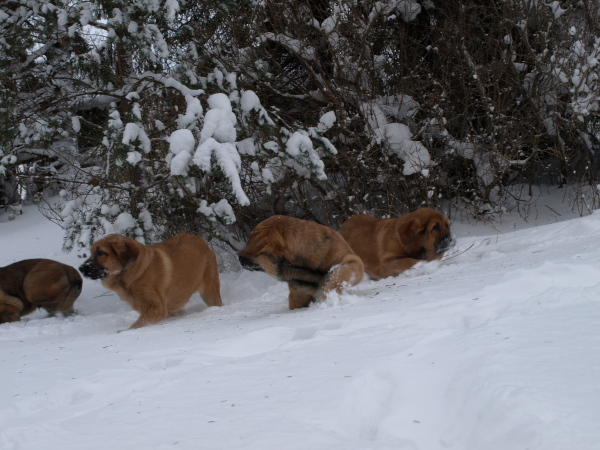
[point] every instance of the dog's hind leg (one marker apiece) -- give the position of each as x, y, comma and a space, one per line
74, 290
349, 272
210, 287
48, 287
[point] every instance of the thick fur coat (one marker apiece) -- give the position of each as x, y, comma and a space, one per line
388, 247
37, 283
157, 280
312, 258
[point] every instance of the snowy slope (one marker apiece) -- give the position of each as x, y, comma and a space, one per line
497, 347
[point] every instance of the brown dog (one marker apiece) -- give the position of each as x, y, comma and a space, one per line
391, 246
313, 259
37, 283
156, 280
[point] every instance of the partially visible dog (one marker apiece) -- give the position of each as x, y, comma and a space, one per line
157, 280
388, 247
37, 283
312, 258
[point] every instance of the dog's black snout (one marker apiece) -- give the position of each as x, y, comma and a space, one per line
249, 264
447, 243
91, 271
84, 269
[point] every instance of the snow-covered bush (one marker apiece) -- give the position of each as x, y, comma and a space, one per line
159, 143
154, 118
192, 174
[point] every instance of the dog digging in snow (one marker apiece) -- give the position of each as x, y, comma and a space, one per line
37, 283
156, 280
388, 247
313, 259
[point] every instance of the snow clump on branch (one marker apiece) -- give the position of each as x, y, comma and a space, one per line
398, 137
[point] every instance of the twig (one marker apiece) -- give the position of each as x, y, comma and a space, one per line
552, 210
453, 253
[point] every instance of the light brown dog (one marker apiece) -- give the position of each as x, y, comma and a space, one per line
391, 246
37, 283
156, 280
313, 259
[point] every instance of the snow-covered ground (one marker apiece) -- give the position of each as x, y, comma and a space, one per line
496, 347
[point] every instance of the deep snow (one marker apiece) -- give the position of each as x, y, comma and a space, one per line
496, 347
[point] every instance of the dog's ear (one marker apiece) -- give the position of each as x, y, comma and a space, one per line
264, 241
125, 251
253, 247
410, 229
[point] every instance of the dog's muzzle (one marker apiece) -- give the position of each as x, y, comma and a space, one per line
446, 244
92, 271
249, 264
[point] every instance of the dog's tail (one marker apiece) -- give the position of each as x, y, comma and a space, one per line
279, 208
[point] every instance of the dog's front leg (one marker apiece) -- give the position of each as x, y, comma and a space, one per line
287, 271
152, 309
147, 319
303, 286
299, 298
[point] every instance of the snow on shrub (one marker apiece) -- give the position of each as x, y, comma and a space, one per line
397, 137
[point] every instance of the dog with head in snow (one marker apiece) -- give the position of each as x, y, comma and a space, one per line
157, 280
312, 258
37, 283
388, 247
